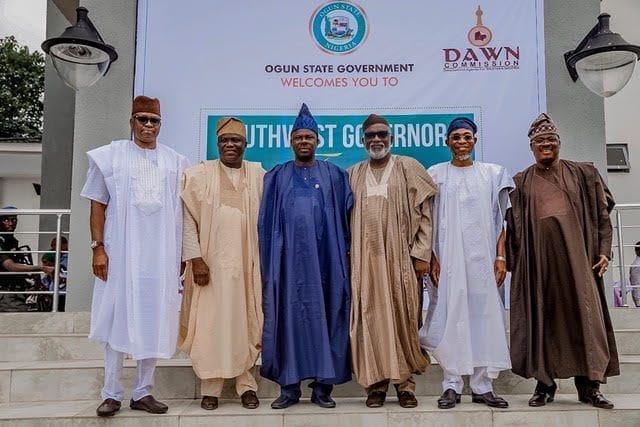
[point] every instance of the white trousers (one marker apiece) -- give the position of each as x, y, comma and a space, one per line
479, 381
113, 373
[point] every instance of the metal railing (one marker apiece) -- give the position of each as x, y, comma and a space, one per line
616, 216
58, 233
619, 244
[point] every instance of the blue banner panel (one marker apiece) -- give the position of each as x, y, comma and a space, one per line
421, 136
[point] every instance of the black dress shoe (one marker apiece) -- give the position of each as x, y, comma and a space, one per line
283, 402
596, 399
108, 408
209, 403
407, 399
543, 394
375, 399
324, 401
149, 404
249, 400
448, 399
489, 399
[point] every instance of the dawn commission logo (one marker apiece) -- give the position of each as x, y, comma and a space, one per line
339, 27
481, 56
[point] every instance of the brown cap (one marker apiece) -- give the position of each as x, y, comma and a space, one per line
543, 125
231, 125
144, 104
374, 119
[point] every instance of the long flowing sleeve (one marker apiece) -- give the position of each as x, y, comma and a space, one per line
605, 203
190, 241
421, 248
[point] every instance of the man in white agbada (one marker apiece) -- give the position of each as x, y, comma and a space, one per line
465, 329
136, 232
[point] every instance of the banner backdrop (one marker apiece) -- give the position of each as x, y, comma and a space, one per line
418, 63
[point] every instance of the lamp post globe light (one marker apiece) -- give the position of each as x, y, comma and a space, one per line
79, 54
603, 60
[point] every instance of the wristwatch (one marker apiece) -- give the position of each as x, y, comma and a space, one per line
96, 243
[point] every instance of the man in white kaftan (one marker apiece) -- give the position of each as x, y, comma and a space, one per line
465, 329
136, 231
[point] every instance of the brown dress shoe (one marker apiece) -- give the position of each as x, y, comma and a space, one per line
375, 399
406, 399
249, 400
108, 408
209, 403
149, 404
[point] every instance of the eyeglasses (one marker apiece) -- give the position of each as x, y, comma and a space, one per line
466, 138
381, 134
551, 140
143, 120
9, 219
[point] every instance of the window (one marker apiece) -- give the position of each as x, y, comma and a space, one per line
618, 157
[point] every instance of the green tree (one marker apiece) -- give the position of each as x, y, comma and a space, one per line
21, 89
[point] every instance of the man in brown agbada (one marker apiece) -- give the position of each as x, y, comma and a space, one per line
390, 254
558, 246
221, 316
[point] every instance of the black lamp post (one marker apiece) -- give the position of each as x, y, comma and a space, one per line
603, 60
79, 55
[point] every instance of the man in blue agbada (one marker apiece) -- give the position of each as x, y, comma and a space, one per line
304, 238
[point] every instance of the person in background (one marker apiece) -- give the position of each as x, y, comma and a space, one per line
15, 260
48, 281
634, 277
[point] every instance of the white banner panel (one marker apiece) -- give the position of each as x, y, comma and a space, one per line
419, 63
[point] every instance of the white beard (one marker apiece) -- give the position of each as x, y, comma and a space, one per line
378, 154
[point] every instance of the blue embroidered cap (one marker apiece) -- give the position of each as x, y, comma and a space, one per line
305, 120
462, 123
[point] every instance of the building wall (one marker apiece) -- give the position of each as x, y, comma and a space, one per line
578, 113
102, 111
622, 112
19, 170
101, 115
57, 138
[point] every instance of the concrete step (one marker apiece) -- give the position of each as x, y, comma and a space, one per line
62, 346
628, 341
62, 336
52, 347
625, 318
83, 379
78, 323
44, 323
565, 411
48, 347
